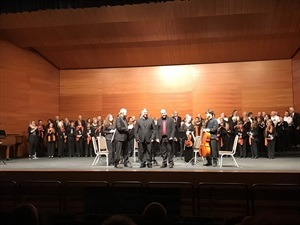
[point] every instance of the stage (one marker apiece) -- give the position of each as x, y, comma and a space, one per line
73, 185
285, 168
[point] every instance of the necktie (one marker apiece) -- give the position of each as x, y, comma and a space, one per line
164, 127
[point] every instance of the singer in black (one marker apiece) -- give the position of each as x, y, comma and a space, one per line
164, 135
121, 139
145, 135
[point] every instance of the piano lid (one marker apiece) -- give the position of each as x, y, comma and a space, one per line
3, 133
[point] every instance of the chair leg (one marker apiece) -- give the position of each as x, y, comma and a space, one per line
221, 161
95, 160
106, 159
234, 161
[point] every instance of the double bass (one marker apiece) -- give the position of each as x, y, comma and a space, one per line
204, 149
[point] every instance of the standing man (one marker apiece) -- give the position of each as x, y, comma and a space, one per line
295, 126
165, 135
121, 139
145, 135
211, 127
177, 144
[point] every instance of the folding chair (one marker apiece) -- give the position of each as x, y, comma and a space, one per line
100, 149
229, 152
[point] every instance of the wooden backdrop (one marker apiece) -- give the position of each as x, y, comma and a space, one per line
245, 86
29, 89
296, 80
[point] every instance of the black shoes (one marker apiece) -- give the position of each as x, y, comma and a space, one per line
142, 165
207, 164
128, 165
149, 165
118, 166
171, 165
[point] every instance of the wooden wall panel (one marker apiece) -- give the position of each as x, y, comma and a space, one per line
245, 86
29, 89
296, 80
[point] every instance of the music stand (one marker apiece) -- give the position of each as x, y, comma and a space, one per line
2, 136
180, 135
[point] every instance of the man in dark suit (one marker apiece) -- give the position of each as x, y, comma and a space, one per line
211, 127
177, 144
145, 135
121, 139
164, 135
295, 126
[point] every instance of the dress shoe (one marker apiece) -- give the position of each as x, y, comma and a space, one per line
118, 166
155, 162
149, 165
142, 165
163, 166
171, 165
128, 165
207, 164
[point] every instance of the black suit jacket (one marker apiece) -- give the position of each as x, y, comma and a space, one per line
296, 119
121, 129
170, 128
177, 122
144, 130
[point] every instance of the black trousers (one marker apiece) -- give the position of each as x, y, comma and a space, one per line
145, 152
214, 154
121, 152
167, 151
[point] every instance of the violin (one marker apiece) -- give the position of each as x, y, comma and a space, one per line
189, 142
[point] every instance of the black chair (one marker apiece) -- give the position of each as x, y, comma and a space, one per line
82, 197
275, 199
177, 197
8, 195
222, 200
45, 195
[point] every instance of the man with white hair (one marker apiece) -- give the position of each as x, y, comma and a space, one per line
121, 139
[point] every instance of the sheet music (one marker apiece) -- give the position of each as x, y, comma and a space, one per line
113, 136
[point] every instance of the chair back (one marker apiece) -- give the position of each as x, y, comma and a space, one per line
95, 145
103, 145
197, 142
235, 144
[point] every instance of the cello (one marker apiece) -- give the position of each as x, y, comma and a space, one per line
204, 149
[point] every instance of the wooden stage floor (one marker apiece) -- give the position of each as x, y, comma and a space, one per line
285, 168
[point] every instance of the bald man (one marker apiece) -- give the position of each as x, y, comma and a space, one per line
164, 135
145, 135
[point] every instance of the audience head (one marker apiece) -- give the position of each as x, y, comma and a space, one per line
154, 213
119, 220
25, 214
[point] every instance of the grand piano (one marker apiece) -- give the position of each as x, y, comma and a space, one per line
10, 140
